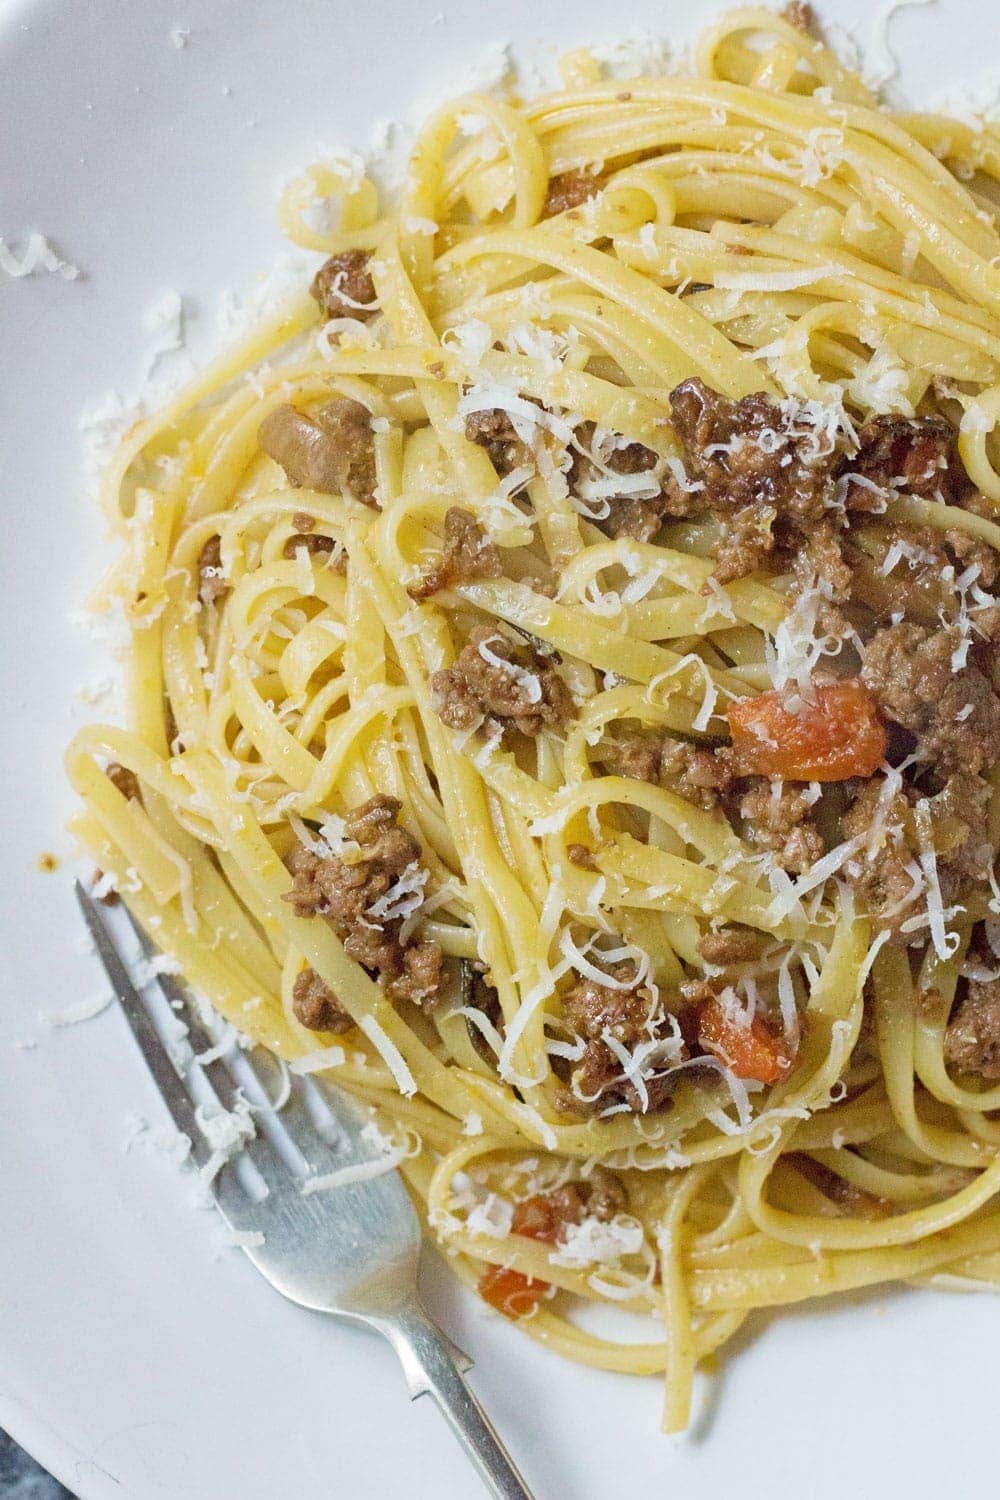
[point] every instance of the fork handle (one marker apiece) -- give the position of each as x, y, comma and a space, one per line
430, 1365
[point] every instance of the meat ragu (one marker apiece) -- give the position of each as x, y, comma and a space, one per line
918, 686
360, 896
500, 685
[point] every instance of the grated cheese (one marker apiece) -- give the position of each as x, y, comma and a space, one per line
361, 1171
598, 1242
83, 1010
390, 1054
404, 897
226, 1132
37, 255
493, 1217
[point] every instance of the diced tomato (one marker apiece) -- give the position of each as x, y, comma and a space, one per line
511, 1292
832, 734
751, 1051
538, 1219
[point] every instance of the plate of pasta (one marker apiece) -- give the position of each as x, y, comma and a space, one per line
552, 692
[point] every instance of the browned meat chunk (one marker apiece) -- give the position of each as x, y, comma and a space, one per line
343, 890
569, 190
316, 1006
314, 542
731, 945
802, 16
581, 856
919, 455
698, 775
497, 680
972, 1040
920, 583
467, 554
882, 878
779, 819
212, 582
955, 715
637, 516
350, 893
332, 451
766, 474
494, 431
601, 1016
888, 878
546, 1215
343, 286
695, 774
603, 1194
126, 781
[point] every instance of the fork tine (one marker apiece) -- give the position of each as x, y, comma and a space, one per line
150, 1045
198, 1037
225, 1085
235, 1073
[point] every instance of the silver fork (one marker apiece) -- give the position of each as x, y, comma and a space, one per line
351, 1250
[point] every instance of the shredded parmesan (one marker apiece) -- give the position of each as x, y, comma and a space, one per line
390, 1054
37, 255
362, 1171
83, 1010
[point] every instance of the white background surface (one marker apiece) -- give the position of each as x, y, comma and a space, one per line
137, 1359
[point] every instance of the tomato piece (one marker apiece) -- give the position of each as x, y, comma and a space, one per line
537, 1219
511, 1292
833, 734
751, 1051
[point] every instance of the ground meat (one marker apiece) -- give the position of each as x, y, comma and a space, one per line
779, 819
569, 190
642, 519
630, 515
888, 877
802, 17
581, 856
329, 885
545, 1216
918, 454
698, 775
467, 554
476, 689
921, 585
632, 1016
343, 282
693, 773
423, 972
212, 584
314, 542
882, 878
955, 715
731, 945
316, 1006
494, 431
331, 451
334, 887
126, 781
604, 1194
972, 1040
768, 482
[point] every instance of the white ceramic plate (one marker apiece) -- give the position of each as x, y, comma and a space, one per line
137, 1359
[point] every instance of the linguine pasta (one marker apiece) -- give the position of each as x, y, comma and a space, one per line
758, 224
